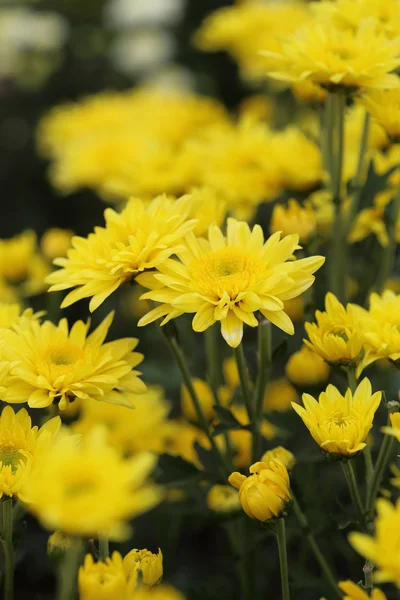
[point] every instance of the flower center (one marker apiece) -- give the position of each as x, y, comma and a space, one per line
228, 270
56, 360
11, 457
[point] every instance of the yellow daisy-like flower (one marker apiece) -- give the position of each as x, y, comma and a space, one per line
279, 395
280, 453
340, 424
338, 335
55, 242
150, 564
305, 367
104, 580
395, 426
21, 447
88, 477
12, 314
382, 334
383, 548
334, 57
56, 364
294, 219
353, 591
140, 237
228, 279
384, 106
223, 499
265, 492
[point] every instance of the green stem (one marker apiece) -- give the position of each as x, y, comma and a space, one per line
353, 488
319, 557
359, 176
368, 570
384, 457
281, 535
104, 549
187, 380
389, 252
240, 558
264, 366
244, 380
8, 548
68, 574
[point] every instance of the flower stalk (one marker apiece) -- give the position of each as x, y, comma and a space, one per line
353, 488
8, 548
389, 252
357, 183
244, 380
264, 366
384, 457
68, 571
281, 536
104, 548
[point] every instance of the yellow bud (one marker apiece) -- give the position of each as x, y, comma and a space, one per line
223, 499
58, 544
205, 397
265, 492
150, 564
294, 219
55, 243
305, 368
103, 580
279, 395
282, 454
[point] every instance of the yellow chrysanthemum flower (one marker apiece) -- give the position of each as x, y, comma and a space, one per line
305, 367
294, 219
340, 424
265, 492
332, 56
382, 333
223, 499
158, 592
104, 580
338, 335
351, 13
286, 457
54, 364
55, 242
279, 395
395, 426
21, 447
353, 591
58, 545
383, 548
384, 106
228, 279
151, 566
206, 399
207, 208
12, 314
242, 438
88, 477
307, 91
130, 431
140, 237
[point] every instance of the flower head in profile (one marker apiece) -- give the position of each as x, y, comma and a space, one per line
53, 363
150, 564
382, 548
228, 279
338, 335
294, 219
286, 457
337, 57
141, 237
353, 591
340, 424
223, 499
21, 447
264, 494
102, 580
89, 477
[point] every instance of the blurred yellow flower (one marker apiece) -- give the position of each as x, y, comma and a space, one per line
231, 373
139, 238
295, 308
351, 13
382, 335
179, 438
395, 426
205, 396
382, 549
207, 208
322, 204
294, 219
355, 592
228, 279
338, 335
307, 91
103, 580
305, 367
21, 447
340, 424
257, 107
54, 364
55, 242
129, 430
88, 477
58, 545
12, 314
223, 499
265, 492
242, 438
280, 453
158, 592
384, 106
151, 566
279, 395
332, 56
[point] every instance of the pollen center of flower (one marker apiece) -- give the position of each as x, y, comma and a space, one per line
11, 457
58, 359
230, 270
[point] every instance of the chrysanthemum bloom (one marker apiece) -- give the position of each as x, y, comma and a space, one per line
158, 592
279, 395
57, 364
286, 457
55, 242
223, 499
141, 237
88, 477
228, 279
340, 424
294, 219
383, 548
265, 492
353, 591
21, 447
206, 399
242, 439
12, 314
384, 106
150, 564
130, 431
395, 426
383, 335
338, 335
58, 545
208, 207
336, 57
104, 580
305, 367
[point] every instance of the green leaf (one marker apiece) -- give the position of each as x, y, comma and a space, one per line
374, 184
175, 470
227, 418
